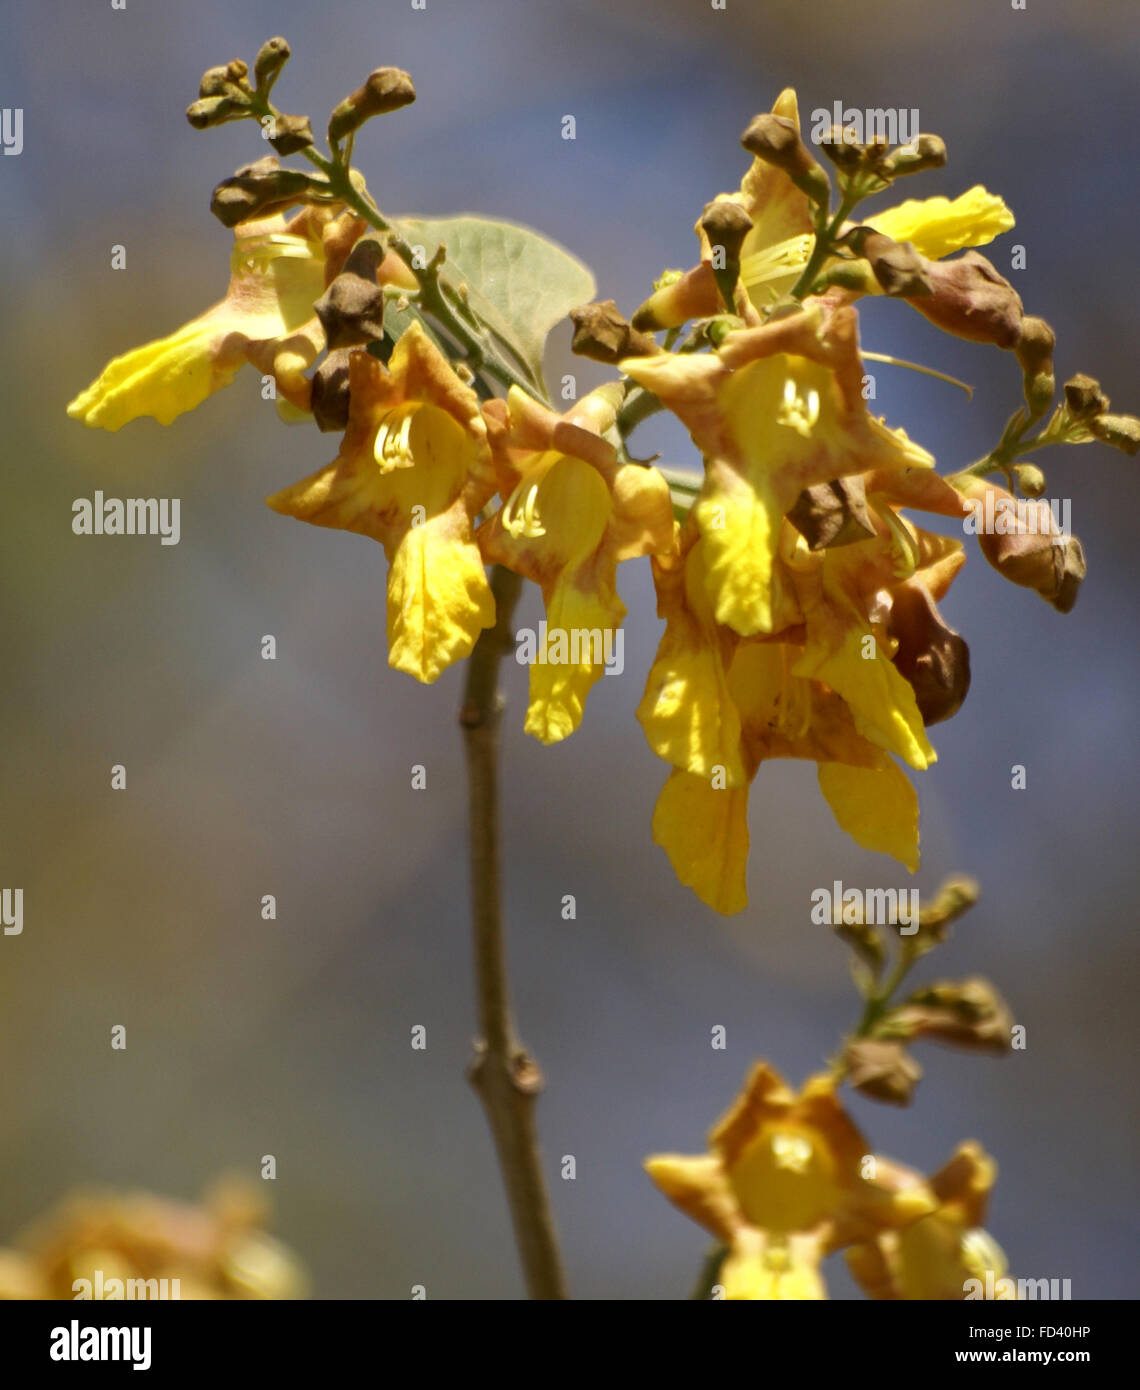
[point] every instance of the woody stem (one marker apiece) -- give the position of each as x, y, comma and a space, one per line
503, 1074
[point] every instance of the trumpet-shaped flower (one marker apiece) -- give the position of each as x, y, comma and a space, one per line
278, 269
860, 664
940, 1255
413, 471
787, 1180
571, 513
775, 410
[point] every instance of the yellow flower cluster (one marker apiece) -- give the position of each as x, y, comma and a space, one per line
105, 1245
788, 1180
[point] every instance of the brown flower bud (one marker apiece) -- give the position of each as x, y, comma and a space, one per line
832, 514
1024, 543
211, 111
1084, 396
726, 224
925, 152
294, 134
931, 656
603, 334
955, 898
899, 269
776, 140
1121, 431
844, 152
971, 300
271, 58
693, 295
882, 1070
967, 1013
256, 190
351, 310
384, 90
330, 396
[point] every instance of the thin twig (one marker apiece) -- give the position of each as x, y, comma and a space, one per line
506, 1078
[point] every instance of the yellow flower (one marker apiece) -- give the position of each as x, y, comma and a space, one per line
775, 410
860, 664
105, 1245
413, 471
787, 1180
278, 270
776, 249
940, 1255
571, 513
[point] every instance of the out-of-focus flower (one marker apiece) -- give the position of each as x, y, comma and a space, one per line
788, 1179
571, 513
154, 1248
278, 269
414, 469
937, 1256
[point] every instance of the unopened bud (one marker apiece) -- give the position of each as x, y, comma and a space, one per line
271, 58
833, 514
211, 111
386, 89
899, 269
842, 148
925, 152
604, 335
294, 134
330, 398
971, 300
1121, 431
955, 898
1035, 344
258, 190
930, 655
1039, 389
1030, 479
215, 83
351, 310
968, 1013
1084, 396
693, 295
1024, 544
726, 224
882, 1070
776, 140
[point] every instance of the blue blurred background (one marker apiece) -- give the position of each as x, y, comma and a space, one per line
292, 777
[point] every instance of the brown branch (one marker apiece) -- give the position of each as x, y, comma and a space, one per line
506, 1078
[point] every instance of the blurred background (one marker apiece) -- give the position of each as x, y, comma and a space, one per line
247, 777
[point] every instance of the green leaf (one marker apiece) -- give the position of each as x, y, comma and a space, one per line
518, 283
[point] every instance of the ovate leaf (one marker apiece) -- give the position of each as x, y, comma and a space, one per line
518, 283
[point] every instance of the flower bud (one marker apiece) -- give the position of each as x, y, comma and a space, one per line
967, 1013
693, 295
1121, 431
271, 58
294, 134
882, 1070
1035, 344
257, 190
1029, 549
955, 898
603, 334
351, 310
833, 514
925, 152
211, 111
1084, 396
215, 83
330, 396
931, 656
725, 225
776, 140
971, 300
384, 90
1030, 479
899, 269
